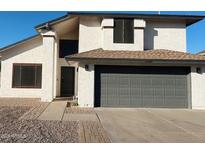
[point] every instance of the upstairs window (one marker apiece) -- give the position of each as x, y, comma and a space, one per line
123, 30
67, 47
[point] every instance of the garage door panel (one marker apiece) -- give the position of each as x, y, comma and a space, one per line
180, 83
146, 82
124, 102
137, 87
147, 92
148, 101
135, 99
157, 82
135, 81
111, 91
159, 91
180, 92
158, 101
169, 92
112, 101
135, 92
169, 82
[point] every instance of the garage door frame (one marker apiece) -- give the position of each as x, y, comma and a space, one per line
173, 69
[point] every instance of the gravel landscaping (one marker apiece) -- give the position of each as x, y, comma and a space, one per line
14, 129
36, 131
19, 123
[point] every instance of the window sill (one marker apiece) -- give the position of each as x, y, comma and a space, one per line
124, 43
26, 87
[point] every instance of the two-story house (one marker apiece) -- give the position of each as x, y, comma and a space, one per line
107, 60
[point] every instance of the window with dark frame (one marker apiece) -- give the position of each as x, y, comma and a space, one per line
67, 47
123, 30
27, 76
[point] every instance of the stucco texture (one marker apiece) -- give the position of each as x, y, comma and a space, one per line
30, 52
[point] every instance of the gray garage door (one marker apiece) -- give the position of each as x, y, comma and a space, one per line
141, 86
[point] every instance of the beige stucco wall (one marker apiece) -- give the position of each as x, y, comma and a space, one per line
30, 52
95, 32
40, 50
198, 88
86, 86
90, 33
165, 35
48, 69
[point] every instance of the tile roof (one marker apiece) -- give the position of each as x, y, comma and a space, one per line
201, 53
159, 54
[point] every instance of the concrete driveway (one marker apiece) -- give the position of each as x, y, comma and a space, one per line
153, 125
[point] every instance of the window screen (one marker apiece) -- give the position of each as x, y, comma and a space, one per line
27, 75
67, 47
123, 30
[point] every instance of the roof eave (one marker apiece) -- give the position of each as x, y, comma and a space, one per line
151, 61
190, 19
52, 22
18, 43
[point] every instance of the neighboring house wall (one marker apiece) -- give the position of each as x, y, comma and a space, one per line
198, 88
29, 52
165, 35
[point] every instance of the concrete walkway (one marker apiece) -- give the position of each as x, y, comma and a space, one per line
54, 111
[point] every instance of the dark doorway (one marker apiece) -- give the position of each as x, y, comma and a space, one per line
67, 81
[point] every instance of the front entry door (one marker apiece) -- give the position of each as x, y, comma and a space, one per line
67, 81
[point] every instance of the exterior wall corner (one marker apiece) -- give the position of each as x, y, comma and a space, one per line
86, 86
197, 88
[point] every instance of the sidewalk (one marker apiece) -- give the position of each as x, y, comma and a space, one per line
54, 111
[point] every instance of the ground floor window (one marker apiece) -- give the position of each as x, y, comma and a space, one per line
27, 75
